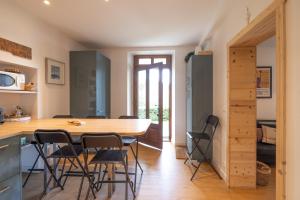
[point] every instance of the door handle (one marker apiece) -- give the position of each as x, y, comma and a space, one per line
4, 189
4, 147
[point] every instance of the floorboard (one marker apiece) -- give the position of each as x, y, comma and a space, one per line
165, 178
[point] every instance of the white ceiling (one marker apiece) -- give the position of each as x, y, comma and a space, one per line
128, 23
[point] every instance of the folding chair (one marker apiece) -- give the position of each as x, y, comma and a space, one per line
207, 134
109, 151
128, 141
67, 151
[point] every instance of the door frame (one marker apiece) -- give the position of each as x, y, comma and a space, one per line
135, 81
271, 22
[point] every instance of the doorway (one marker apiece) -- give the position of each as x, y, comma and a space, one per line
153, 91
242, 139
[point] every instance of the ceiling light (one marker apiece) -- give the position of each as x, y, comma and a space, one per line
106, 0
47, 2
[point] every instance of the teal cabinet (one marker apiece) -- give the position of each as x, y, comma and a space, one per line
199, 97
89, 84
10, 175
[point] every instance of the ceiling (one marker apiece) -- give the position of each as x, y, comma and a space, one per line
128, 23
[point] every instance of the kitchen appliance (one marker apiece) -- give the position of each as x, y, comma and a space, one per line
1, 115
11, 81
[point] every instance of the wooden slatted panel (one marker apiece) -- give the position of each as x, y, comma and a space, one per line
242, 117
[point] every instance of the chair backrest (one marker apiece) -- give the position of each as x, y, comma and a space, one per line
52, 136
96, 117
63, 116
101, 140
128, 117
211, 125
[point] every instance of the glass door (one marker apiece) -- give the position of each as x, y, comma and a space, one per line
153, 91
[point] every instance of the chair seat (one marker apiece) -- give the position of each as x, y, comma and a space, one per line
109, 156
127, 141
198, 135
66, 151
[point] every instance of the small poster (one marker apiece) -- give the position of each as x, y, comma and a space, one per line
264, 82
55, 72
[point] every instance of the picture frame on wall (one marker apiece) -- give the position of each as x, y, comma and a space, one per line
264, 82
55, 72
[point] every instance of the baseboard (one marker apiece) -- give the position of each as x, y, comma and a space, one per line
220, 171
180, 145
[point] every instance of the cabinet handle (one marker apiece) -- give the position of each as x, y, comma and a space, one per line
4, 189
4, 147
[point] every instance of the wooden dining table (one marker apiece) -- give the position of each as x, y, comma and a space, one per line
123, 127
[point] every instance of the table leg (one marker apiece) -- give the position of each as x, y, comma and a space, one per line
111, 177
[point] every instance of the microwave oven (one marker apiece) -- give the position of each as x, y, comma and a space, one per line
11, 81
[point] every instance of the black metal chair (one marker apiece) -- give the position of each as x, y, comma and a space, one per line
207, 134
63, 116
33, 169
66, 150
128, 141
108, 152
32, 141
96, 117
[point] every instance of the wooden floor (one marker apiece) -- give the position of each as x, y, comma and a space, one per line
165, 178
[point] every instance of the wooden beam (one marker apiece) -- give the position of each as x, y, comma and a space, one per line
260, 29
15, 48
281, 103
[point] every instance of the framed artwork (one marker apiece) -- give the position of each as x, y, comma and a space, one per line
55, 72
264, 82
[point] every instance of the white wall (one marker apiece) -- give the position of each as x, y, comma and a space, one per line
266, 56
45, 41
293, 99
231, 24
119, 83
231, 21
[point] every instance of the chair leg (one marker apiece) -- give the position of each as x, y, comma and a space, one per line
86, 173
194, 148
70, 168
80, 187
62, 171
30, 171
127, 177
126, 183
136, 154
99, 176
195, 172
105, 171
57, 181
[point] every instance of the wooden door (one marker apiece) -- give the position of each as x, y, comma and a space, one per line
149, 101
242, 117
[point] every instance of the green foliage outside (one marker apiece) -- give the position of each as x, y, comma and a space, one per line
153, 114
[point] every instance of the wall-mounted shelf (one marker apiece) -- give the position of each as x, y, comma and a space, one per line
18, 92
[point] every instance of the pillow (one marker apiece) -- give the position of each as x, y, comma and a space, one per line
269, 135
259, 134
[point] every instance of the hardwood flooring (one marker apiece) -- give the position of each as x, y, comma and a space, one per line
164, 178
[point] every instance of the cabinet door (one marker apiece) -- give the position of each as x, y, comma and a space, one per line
9, 157
103, 86
83, 83
10, 189
189, 108
202, 90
